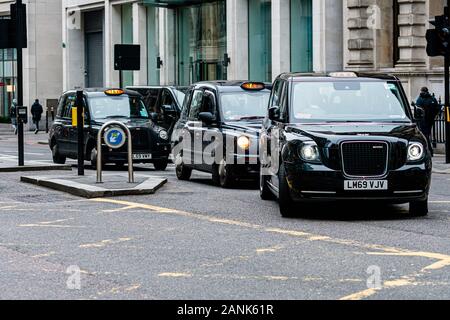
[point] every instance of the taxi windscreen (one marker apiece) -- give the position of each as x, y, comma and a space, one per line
238, 106
347, 101
124, 106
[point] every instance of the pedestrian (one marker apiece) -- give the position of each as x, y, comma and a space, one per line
13, 115
36, 112
431, 108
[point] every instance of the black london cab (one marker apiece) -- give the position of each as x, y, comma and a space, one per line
343, 136
218, 130
151, 142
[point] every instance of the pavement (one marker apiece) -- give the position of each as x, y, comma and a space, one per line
86, 186
192, 240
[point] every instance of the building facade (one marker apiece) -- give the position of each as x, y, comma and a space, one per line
42, 59
183, 42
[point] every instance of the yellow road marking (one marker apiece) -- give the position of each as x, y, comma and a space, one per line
442, 259
103, 243
174, 275
44, 255
8, 207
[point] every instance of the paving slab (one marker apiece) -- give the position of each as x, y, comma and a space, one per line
113, 184
439, 165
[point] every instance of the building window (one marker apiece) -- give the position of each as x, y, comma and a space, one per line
260, 40
127, 37
301, 35
153, 71
8, 70
202, 42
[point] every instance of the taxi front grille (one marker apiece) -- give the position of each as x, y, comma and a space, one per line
141, 140
364, 159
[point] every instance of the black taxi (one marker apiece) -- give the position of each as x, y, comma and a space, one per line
151, 143
164, 103
343, 136
218, 130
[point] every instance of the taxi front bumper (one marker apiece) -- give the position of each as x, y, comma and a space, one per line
310, 182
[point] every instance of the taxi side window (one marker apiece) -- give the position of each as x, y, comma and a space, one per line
185, 107
276, 94
167, 99
61, 105
283, 101
209, 103
196, 105
70, 102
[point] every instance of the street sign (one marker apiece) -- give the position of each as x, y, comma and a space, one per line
127, 57
114, 138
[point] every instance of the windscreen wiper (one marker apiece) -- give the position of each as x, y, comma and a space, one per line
252, 118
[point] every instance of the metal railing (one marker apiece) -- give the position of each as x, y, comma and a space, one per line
438, 133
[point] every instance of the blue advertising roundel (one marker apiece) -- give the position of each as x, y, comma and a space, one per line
114, 138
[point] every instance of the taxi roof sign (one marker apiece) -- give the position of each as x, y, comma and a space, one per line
345, 74
253, 86
114, 92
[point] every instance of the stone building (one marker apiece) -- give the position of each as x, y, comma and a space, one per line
42, 59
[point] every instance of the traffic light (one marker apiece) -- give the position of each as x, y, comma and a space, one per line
23, 19
438, 39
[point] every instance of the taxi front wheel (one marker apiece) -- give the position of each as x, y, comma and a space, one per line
57, 157
418, 208
223, 175
182, 172
160, 165
288, 208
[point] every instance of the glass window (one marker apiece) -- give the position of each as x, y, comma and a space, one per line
127, 38
301, 36
196, 105
201, 42
260, 40
152, 46
347, 101
244, 105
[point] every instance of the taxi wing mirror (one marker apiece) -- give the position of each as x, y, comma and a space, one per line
274, 113
206, 117
154, 116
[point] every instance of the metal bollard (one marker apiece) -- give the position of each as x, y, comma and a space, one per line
109, 144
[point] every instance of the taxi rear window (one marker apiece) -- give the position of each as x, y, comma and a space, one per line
124, 106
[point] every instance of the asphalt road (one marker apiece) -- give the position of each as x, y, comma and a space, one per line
192, 240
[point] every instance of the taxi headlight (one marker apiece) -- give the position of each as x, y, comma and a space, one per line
415, 151
243, 142
163, 135
309, 152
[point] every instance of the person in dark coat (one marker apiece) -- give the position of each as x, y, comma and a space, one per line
36, 112
13, 115
431, 108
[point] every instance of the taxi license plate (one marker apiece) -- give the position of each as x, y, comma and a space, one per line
142, 156
351, 185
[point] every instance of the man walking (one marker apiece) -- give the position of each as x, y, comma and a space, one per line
36, 112
431, 108
13, 115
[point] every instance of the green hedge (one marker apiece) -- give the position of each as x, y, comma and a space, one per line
5, 120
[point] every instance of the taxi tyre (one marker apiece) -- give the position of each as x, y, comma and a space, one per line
287, 205
160, 165
264, 190
418, 208
57, 157
223, 175
183, 173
